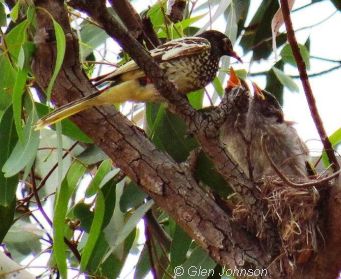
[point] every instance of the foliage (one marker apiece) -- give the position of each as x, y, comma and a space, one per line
97, 210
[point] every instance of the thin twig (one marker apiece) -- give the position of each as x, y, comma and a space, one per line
298, 76
306, 86
314, 183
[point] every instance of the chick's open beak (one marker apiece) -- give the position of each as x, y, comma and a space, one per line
258, 91
233, 80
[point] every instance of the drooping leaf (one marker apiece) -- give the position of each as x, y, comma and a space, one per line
18, 90
128, 227
180, 245
273, 85
61, 204
132, 197
206, 172
257, 35
7, 80
287, 81
16, 38
24, 152
91, 37
143, 264
60, 43
102, 171
8, 137
169, 132
198, 258
95, 230
6, 217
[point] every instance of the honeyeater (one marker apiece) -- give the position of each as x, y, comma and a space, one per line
190, 63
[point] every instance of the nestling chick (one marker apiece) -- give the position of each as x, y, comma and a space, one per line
265, 122
232, 133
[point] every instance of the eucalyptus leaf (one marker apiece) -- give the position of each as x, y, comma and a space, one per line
23, 152
287, 81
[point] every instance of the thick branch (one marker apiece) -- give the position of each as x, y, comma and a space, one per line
306, 85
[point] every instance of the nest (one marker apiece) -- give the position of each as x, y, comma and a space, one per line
286, 215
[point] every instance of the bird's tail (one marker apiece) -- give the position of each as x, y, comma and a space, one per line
127, 91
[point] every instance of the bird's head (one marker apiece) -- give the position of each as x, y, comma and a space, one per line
237, 93
220, 44
266, 104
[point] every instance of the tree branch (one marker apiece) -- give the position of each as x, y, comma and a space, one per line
306, 86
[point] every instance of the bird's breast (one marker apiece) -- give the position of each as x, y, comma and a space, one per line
191, 73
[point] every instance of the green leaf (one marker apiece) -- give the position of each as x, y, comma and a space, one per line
18, 90
206, 172
3, 17
200, 259
180, 245
102, 171
257, 35
196, 98
335, 140
287, 81
24, 152
132, 197
127, 228
63, 195
15, 11
60, 42
273, 85
7, 80
288, 56
91, 38
6, 217
95, 231
169, 133
16, 38
8, 137
143, 265
83, 213
218, 87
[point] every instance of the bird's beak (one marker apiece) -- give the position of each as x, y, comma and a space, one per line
233, 80
258, 91
235, 55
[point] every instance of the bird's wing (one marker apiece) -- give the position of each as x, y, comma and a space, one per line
171, 50
179, 48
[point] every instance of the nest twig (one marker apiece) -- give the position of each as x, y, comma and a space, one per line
288, 214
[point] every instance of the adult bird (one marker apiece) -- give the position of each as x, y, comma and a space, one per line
272, 139
189, 63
